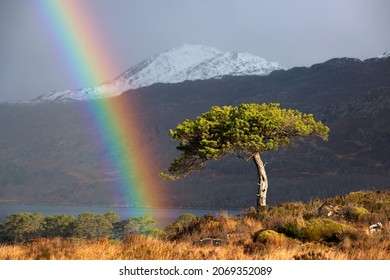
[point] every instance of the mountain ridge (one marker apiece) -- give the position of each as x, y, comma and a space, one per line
178, 64
204, 65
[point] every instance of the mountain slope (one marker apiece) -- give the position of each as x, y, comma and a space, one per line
47, 155
186, 62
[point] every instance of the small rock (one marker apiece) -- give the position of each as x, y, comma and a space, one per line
376, 227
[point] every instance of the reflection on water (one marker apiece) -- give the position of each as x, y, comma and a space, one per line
163, 216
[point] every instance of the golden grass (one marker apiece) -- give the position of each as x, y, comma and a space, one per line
134, 248
238, 248
357, 244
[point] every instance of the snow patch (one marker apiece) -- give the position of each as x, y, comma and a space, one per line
385, 54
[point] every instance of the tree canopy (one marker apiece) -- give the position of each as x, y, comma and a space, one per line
243, 130
25, 226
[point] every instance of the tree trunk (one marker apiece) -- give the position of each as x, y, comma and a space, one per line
263, 182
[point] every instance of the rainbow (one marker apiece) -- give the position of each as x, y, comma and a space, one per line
87, 59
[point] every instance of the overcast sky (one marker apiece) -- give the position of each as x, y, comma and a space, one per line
293, 33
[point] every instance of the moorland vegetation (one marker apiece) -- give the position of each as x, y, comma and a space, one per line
335, 228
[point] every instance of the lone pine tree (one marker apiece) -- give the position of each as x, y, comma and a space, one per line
247, 131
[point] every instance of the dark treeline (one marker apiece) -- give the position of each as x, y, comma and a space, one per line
25, 226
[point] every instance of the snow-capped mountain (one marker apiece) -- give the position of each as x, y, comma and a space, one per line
185, 62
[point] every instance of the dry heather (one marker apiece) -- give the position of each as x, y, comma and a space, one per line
332, 229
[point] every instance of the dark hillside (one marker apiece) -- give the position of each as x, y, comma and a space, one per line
47, 155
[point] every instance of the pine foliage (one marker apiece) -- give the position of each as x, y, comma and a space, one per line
240, 130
